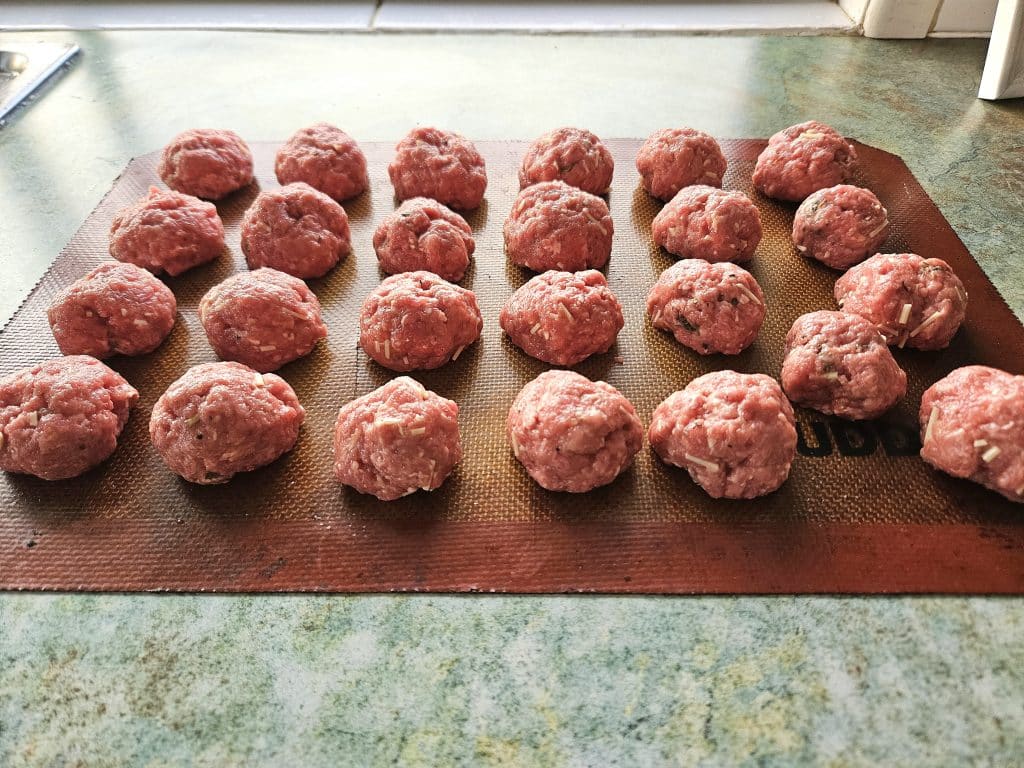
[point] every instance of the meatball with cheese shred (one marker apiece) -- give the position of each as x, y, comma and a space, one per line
441, 165
703, 222
573, 155
424, 235
674, 158
803, 159
207, 163
326, 158
840, 226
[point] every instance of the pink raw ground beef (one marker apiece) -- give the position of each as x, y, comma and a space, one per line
839, 364
398, 439
573, 434
262, 318
61, 418
563, 317
223, 418
733, 432
207, 163
914, 302
167, 232
326, 158
840, 226
674, 158
707, 223
417, 321
555, 226
572, 155
424, 235
710, 308
972, 426
802, 159
441, 165
295, 229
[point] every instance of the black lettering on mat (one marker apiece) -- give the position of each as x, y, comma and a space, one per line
823, 437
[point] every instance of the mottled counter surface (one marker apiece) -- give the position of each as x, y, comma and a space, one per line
483, 680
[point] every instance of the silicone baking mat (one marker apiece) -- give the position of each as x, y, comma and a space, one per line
860, 513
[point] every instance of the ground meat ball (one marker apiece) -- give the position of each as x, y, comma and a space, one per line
572, 155
839, 364
972, 426
802, 159
733, 432
326, 158
840, 226
167, 232
297, 230
709, 308
423, 234
563, 317
441, 165
915, 302
707, 223
674, 158
61, 418
398, 439
223, 418
571, 433
555, 226
207, 163
262, 318
417, 321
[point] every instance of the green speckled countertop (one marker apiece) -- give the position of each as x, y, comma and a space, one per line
512, 681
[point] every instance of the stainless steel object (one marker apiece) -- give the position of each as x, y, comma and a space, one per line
24, 67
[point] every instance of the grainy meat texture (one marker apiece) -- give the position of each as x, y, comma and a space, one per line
262, 318
572, 155
914, 302
555, 226
61, 418
425, 235
396, 440
417, 321
708, 223
839, 364
673, 158
326, 158
840, 226
295, 229
710, 308
167, 232
116, 309
563, 318
223, 418
972, 426
573, 434
733, 432
207, 163
441, 165
802, 159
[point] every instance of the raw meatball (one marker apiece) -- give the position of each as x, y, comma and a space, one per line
223, 418
61, 418
326, 158
423, 234
708, 307
839, 364
915, 302
206, 163
167, 232
840, 226
572, 155
117, 309
563, 317
708, 223
802, 159
972, 426
416, 321
262, 318
733, 432
674, 158
571, 433
555, 226
398, 439
297, 230
441, 165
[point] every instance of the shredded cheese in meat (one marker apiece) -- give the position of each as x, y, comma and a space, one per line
905, 314
258, 380
932, 418
980, 443
417, 431
991, 454
533, 331
749, 293
457, 352
566, 313
879, 228
708, 465
931, 319
33, 418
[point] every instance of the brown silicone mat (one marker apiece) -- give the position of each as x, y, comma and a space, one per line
860, 512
